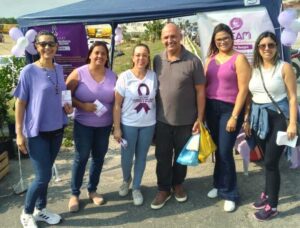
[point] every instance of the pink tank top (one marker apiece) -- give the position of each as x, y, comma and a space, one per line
221, 80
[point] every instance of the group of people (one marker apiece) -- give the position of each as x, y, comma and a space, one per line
166, 103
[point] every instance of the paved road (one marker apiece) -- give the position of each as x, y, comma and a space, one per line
199, 211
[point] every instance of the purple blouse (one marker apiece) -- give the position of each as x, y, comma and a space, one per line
37, 86
88, 90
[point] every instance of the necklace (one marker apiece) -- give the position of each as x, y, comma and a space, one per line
48, 76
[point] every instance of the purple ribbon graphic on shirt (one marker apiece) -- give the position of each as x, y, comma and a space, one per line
142, 104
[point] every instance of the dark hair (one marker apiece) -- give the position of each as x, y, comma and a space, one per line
96, 44
45, 33
257, 59
212, 50
145, 46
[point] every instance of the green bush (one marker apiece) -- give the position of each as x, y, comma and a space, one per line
9, 74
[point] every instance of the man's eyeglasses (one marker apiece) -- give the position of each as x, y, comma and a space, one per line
264, 46
45, 44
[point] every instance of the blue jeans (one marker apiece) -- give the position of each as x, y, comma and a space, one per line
139, 140
42, 153
217, 116
88, 140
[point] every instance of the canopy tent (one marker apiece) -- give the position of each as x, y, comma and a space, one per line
119, 11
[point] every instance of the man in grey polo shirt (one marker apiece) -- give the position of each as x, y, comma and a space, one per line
180, 107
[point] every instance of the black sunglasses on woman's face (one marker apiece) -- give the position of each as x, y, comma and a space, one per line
45, 44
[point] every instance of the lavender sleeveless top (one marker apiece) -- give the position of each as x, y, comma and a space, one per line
88, 90
222, 80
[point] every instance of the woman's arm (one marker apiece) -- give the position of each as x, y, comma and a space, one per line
290, 83
72, 83
243, 72
20, 106
117, 116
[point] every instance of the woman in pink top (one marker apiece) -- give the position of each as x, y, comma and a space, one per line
228, 75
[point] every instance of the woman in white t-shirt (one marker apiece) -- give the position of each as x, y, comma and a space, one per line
135, 118
271, 77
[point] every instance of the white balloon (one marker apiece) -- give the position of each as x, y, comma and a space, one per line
288, 37
30, 35
17, 51
31, 49
15, 33
118, 38
118, 31
295, 25
22, 42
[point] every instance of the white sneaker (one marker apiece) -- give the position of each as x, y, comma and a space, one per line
137, 197
28, 220
124, 188
47, 216
213, 193
229, 206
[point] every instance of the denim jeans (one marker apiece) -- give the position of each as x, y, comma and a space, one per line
217, 116
88, 140
169, 142
139, 140
42, 153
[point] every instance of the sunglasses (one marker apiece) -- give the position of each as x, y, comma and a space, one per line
45, 44
264, 46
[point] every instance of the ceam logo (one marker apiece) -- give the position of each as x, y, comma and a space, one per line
236, 23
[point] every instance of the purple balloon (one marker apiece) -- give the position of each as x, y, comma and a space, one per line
15, 33
286, 17
17, 51
288, 37
31, 49
30, 35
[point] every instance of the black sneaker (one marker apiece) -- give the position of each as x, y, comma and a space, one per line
265, 214
261, 202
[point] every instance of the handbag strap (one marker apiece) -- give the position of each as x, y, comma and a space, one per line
269, 95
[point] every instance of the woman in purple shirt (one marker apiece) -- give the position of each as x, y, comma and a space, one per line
41, 119
228, 74
92, 87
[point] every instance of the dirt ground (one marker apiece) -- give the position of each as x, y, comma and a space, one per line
198, 211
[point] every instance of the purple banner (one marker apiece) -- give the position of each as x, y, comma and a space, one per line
73, 47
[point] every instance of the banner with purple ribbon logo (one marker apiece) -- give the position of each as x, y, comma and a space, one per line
73, 48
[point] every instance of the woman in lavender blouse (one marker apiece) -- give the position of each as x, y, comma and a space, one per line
92, 87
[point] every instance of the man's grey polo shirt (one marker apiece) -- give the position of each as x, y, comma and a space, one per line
176, 97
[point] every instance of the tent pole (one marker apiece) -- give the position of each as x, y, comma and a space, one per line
113, 27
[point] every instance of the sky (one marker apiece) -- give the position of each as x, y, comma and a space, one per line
16, 8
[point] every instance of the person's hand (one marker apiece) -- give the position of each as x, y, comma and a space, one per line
231, 125
117, 134
21, 143
68, 108
246, 128
89, 107
291, 130
196, 128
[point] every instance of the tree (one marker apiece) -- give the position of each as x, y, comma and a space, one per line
153, 29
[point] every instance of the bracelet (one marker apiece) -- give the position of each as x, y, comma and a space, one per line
234, 117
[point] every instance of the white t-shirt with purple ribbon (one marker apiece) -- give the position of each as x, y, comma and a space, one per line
139, 106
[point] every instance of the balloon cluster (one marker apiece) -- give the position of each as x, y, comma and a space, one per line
288, 19
23, 42
118, 35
